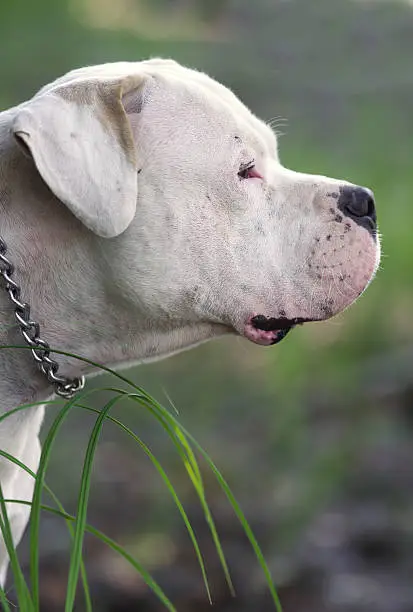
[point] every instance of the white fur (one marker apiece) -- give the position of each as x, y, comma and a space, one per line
133, 236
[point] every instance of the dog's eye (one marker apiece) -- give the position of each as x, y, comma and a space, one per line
248, 171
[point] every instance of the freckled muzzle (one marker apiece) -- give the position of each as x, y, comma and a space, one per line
340, 260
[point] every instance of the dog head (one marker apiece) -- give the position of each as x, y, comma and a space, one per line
203, 223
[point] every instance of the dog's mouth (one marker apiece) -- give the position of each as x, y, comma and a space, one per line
270, 330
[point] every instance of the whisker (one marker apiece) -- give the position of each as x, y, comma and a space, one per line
277, 120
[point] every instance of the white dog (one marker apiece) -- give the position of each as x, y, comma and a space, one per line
145, 210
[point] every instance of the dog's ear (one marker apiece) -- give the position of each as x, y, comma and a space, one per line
81, 141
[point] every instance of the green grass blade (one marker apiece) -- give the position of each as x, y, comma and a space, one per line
4, 601
172, 491
196, 473
109, 542
225, 487
197, 482
174, 430
82, 514
22, 591
77, 545
61, 512
241, 517
83, 574
5, 415
37, 494
168, 418
6, 455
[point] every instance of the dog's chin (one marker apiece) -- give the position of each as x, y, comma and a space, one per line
268, 331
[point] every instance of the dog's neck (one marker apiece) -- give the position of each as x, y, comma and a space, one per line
21, 382
75, 300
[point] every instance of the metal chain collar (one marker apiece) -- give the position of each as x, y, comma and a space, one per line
30, 330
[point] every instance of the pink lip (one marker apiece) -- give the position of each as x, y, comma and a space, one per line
260, 336
264, 337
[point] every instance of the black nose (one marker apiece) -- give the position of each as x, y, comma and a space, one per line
358, 203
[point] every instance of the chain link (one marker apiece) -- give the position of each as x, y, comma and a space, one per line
30, 330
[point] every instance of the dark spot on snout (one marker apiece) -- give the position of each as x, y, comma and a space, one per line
327, 310
338, 218
260, 228
237, 138
140, 170
191, 294
328, 237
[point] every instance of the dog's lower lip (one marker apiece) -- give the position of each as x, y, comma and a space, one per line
281, 334
268, 331
273, 324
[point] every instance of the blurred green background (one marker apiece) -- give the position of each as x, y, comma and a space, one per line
315, 435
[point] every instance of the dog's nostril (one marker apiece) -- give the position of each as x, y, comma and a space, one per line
357, 202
